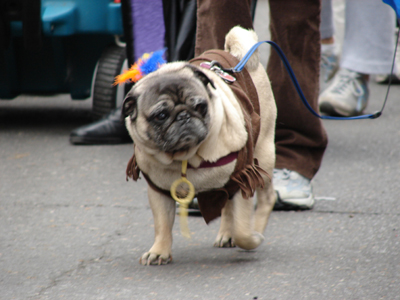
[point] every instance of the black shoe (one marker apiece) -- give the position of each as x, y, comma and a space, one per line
109, 130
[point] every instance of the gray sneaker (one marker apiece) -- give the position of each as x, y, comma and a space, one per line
346, 96
294, 191
329, 65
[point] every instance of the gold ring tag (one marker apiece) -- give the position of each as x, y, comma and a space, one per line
183, 196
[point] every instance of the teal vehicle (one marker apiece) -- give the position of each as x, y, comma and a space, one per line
53, 46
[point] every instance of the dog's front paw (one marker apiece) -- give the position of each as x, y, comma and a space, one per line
249, 241
150, 258
224, 241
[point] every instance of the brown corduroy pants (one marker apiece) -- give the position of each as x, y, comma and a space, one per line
300, 138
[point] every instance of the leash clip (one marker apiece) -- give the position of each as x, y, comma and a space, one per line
216, 67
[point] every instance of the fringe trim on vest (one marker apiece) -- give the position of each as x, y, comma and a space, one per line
249, 178
132, 169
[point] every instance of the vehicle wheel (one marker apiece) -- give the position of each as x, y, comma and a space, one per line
106, 96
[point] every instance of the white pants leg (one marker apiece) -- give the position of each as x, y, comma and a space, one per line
327, 28
368, 45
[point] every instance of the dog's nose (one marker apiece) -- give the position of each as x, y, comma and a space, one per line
183, 117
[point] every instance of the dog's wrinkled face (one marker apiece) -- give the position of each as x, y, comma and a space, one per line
169, 111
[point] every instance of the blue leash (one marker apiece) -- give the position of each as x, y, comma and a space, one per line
239, 67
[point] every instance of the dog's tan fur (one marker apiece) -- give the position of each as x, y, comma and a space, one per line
240, 225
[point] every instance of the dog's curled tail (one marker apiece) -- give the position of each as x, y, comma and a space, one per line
238, 41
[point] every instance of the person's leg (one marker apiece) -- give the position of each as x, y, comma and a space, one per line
327, 26
300, 137
367, 49
368, 44
180, 28
216, 18
329, 57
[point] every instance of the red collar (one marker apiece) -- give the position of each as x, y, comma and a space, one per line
220, 162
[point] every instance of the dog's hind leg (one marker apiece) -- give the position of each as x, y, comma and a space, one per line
163, 208
224, 237
265, 204
244, 234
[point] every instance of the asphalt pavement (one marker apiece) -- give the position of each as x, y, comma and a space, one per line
71, 227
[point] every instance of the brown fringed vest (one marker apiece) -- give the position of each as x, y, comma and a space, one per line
247, 175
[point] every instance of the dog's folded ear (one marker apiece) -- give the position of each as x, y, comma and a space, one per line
199, 74
129, 108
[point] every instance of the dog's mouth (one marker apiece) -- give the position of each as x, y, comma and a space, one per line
178, 154
183, 152
183, 144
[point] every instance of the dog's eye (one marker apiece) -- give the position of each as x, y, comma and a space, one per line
162, 116
201, 108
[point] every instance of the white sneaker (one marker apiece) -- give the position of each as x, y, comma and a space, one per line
346, 96
329, 65
294, 191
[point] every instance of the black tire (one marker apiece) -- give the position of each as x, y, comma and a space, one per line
106, 96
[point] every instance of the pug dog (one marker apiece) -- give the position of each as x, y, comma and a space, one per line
186, 111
